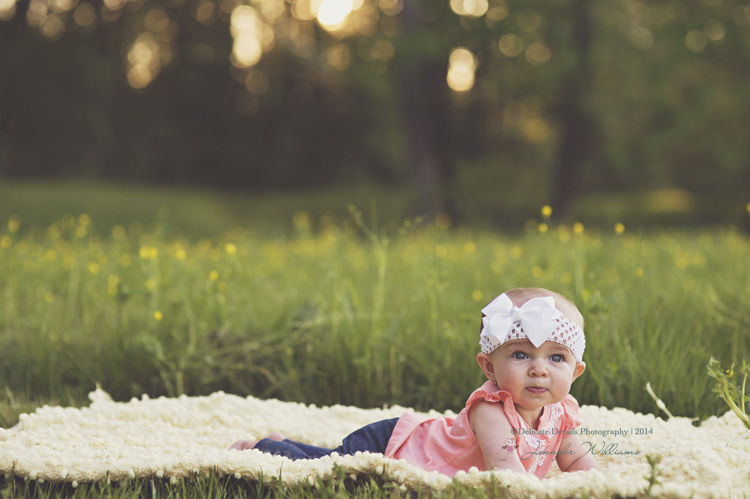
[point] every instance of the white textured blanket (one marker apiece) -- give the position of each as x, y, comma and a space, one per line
174, 438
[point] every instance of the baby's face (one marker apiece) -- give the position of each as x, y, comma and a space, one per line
534, 376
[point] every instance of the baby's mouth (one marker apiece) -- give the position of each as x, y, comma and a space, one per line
536, 389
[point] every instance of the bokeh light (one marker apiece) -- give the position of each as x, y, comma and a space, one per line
7, 9
641, 38
62, 5
84, 15
696, 41
332, 13
115, 5
510, 45
714, 30
205, 13
256, 82
470, 8
143, 59
246, 28
339, 57
305, 10
538, 53
496, 13
391, 7
462, 66
52, 26
530, 21
272, 10
35, 12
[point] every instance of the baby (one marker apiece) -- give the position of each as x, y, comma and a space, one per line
521, 418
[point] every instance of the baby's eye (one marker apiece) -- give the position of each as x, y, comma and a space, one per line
519, 355
557, 358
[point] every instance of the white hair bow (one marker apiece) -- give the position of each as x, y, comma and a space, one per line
536, 316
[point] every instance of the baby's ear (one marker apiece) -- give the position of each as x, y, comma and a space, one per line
578, 370
485, 363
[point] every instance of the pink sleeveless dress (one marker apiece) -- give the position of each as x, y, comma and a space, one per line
449, 445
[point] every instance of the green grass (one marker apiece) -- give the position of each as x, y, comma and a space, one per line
330, 309
216, 486
340, 314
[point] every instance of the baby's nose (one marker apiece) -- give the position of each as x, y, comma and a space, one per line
538, 368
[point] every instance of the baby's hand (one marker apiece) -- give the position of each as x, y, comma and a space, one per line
250, 444
577, 458
243, 445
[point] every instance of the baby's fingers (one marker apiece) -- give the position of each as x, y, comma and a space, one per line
243, 445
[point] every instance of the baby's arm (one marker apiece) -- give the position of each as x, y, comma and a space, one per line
576, 456
492, 429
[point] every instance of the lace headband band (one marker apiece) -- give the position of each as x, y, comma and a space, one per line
537, 319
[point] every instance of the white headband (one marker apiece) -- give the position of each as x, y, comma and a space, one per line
537, 319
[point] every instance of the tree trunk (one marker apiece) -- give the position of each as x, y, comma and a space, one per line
424, 100
576, 127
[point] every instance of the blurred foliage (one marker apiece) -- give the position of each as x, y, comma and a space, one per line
191, 213
198, 213
553, 99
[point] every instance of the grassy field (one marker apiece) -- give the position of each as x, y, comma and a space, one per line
333, 308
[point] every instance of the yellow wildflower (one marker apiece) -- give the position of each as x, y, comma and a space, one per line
546, 211
477, 295
639, 272
14, 224
118, 232
94, 267
578, 228
301, 220
84, 219
158, 315
149, 253
470, 247
213, 275
53, 232
5, 242
619, 228
230, 248
543, 227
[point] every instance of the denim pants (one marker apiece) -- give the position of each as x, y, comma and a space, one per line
371, 438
